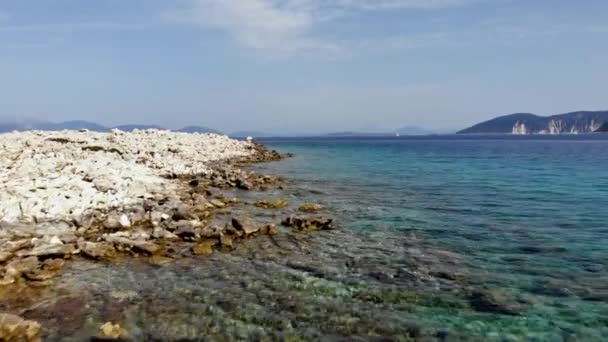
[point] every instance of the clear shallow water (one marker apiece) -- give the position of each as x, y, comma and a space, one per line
528, 213
423, 224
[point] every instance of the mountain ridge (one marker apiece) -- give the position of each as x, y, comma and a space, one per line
528, 123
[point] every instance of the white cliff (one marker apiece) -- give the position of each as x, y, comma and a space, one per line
555, 127
519, 128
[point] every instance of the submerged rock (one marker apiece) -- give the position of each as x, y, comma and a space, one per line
227, 242
272, 204
310, 207
16, 329
308, 224
493, 301
204, 247
112, 331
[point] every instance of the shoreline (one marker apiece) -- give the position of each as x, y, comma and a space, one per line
188, 216
288, 286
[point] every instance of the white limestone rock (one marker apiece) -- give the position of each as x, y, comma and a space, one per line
67, 175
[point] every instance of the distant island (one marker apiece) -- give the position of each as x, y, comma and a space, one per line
26, 125
525, 123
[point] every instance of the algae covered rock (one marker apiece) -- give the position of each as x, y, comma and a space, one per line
272, 204
204, 247
16, 329
310, 207
112, 331
227, 242
493, 301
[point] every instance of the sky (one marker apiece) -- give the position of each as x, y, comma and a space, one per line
301, 66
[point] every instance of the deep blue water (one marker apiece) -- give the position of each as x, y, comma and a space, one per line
530, 213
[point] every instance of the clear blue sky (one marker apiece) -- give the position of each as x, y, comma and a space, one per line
301, 65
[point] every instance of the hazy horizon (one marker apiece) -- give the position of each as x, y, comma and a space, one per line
300, 65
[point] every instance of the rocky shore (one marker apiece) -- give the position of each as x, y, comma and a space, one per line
108, 196
155, 235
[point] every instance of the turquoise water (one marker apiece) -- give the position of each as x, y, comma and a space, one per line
439, 239
529, 215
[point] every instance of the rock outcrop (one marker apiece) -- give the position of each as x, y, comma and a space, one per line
102, 195
50, 176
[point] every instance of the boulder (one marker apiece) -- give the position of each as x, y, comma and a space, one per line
20, 266
181, 212
113, 332
14, 246
157, 217
185, 229
269, 229
245, 226
138, 245
112, 221
205, 247
211, 232
161, 233
97, 250
47, 271
16, 329
217, 203
272, 204
310, 207
200, 201
53, 264
227, 241
308, 224
243, 184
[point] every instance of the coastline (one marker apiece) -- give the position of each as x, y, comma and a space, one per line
161, 210
422, 278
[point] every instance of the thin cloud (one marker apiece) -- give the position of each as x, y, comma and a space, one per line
287, 26
71, 27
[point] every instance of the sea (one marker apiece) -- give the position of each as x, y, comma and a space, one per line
438, 238
528, 214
